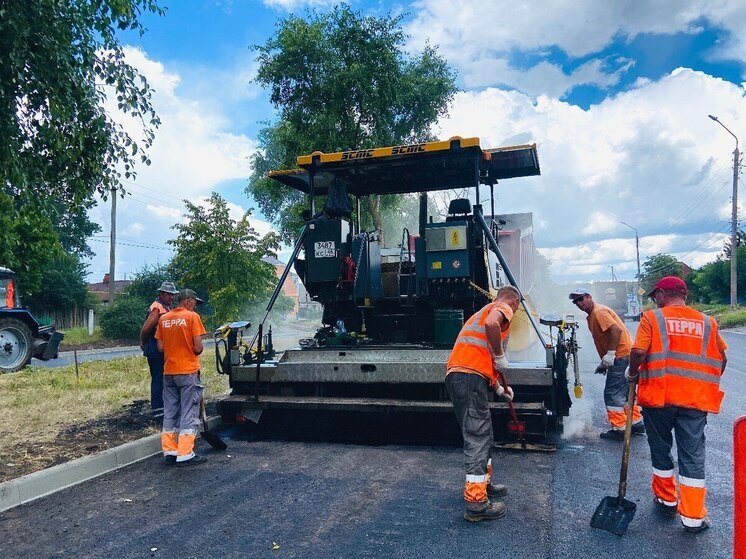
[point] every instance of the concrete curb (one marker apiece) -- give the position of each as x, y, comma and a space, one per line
45, 482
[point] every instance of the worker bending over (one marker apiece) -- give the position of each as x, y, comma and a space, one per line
471, 371
679, 358
179, 337
613, 343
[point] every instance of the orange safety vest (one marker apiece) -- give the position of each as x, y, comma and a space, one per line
472, 352
683, 364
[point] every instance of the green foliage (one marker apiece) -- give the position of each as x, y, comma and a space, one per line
740, 241
341, 81
63, 285
147, 280
28, 243
658, 266
61, 62
711, 283
79, 335
124, 318
223, 258
730, 319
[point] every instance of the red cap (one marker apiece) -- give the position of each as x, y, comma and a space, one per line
671, 283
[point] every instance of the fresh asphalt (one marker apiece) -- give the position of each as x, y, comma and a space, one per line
293, 499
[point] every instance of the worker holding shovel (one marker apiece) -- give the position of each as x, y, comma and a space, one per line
477, 356
613, 343
179, 337
678, 357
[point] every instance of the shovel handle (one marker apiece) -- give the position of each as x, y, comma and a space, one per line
501, 379
627, 441
203, 412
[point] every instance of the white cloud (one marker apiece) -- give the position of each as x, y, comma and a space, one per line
134, 229
478, 38
648, 156
194, 150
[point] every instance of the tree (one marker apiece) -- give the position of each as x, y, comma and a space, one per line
658, 266
740, 241
711, 283
61, 62
28, 243
222, 257
341, 81
63, 285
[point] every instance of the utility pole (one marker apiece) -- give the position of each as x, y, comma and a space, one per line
112, 243
734, 234
734, 222
639, 273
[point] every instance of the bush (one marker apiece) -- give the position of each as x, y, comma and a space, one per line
124, 319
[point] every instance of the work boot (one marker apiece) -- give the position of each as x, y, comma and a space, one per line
486, 510
696, 529
193, 461
612, 435
170, 460
669, 511
638, 429
496, 490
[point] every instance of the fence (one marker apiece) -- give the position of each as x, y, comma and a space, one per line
73, 318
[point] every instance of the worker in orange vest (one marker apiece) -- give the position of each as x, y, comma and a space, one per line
613, 344
471, 371
678, 356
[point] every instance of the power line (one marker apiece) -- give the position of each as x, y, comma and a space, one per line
134, 244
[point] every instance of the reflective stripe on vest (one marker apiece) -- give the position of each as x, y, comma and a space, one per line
687, 379
472, 351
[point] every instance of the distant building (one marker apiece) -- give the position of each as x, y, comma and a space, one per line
101, 290
294, 288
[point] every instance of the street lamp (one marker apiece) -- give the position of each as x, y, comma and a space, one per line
639, 275
734, 221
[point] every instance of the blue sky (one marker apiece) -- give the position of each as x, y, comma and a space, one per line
616, 95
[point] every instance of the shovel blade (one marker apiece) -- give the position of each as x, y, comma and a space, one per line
613, 516
214, 440
517, 427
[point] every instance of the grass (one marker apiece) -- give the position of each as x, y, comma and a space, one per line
77, 336
38, 403
724, 315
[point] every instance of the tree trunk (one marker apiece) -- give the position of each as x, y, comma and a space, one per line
374, 202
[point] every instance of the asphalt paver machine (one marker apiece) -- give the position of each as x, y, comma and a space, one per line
390, 318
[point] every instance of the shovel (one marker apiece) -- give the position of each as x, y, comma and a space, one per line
211, 438
514, 426
614, 514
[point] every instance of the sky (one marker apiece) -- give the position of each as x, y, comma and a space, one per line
616, 95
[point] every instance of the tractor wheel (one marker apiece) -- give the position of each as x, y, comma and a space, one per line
16, 344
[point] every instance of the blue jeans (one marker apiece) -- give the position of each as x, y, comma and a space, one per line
156, 382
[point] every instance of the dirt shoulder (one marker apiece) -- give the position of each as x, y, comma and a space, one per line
132, 422
55, 415
98, 344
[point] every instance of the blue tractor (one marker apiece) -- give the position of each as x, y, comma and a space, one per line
21, 335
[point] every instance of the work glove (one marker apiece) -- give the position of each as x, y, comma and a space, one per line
504, 393
607, 361
501, 363
629, 377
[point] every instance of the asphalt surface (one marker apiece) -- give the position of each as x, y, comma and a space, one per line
294, 499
